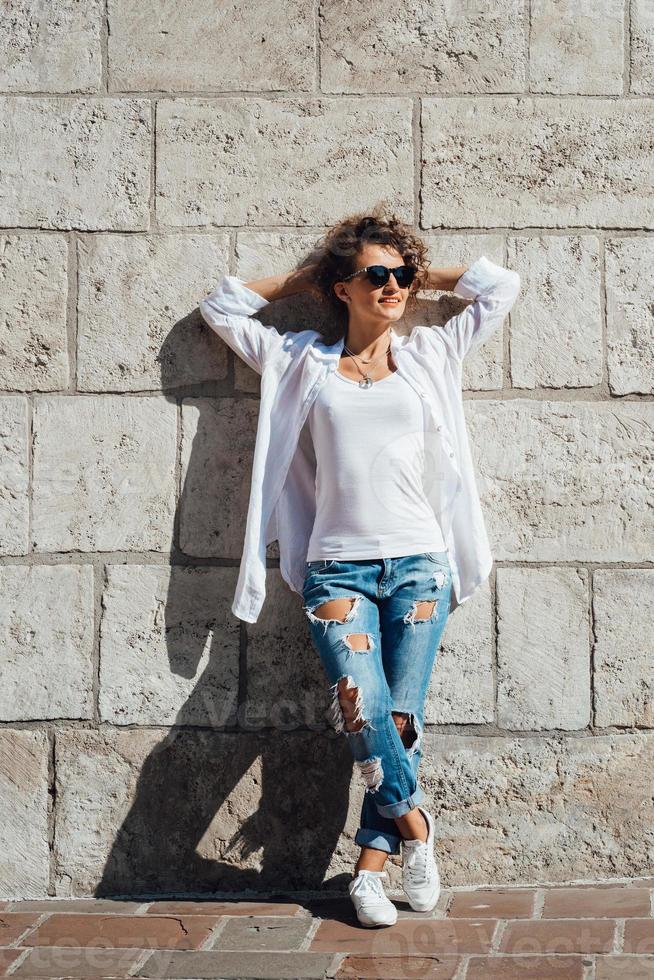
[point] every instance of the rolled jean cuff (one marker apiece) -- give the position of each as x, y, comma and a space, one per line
399, 809
378, 839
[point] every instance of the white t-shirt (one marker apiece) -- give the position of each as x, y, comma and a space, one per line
369, 447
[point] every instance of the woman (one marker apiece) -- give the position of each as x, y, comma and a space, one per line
376, 497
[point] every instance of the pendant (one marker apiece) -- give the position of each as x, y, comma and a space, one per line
366, 382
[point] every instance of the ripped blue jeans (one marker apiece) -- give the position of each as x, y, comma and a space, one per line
378, 656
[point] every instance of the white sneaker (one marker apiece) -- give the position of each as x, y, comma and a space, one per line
373, 907
420, 878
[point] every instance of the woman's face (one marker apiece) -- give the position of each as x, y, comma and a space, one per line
368, 302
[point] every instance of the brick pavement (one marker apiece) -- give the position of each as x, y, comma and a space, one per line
601, 931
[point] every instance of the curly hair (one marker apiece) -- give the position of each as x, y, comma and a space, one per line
335, 254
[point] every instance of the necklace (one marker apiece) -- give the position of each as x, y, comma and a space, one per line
367, 381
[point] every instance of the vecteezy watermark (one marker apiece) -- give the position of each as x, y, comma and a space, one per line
304, 710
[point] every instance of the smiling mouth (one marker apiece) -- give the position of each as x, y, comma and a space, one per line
389, 300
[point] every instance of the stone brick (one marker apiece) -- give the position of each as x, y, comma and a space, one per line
543, 648
568, 55
556, 327
104, 473
493, 903
624, 967
623, 609
46, 635
578, 903
237, 47
95, 905
553, 935
252, 161
641, 25
425, 48
15, 924
85, 963
553, 967
269, 965
287, 684
461, 685
564, 481
539, 808
412, 936
263, 932
24, 867
75, 163
546, 162
51, 47
639, 936
629, 334
120, 931
207, 907
218, 437
399, 967
136, 328
162, 630
14, 476
33, 293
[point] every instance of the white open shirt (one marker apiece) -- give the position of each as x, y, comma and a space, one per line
293, 366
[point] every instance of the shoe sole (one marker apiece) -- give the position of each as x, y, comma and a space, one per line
426, 908
375, 925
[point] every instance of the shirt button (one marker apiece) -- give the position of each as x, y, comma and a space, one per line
452, 455
438, 428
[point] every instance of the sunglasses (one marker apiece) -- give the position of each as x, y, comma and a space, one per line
379, 275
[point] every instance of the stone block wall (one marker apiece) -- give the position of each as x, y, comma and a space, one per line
151, 743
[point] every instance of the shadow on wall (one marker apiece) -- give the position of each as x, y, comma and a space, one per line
184, 782
221, 804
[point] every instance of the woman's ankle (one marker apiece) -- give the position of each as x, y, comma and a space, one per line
370, 863
415, 828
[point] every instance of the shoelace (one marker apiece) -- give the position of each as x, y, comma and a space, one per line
367, 883
415, 861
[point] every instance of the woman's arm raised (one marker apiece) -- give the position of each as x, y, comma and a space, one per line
229, 310
493, 289
445, 278
283, 285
